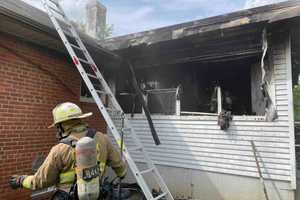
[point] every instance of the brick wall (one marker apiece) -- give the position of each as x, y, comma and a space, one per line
32, 81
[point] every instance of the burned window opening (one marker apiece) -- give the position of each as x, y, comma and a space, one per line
191, 88
164, 101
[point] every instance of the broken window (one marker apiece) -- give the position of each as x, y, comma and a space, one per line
163, 101
202, 88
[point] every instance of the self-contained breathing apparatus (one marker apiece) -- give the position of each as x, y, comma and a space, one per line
86, 184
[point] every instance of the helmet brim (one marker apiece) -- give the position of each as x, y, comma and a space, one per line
85, 115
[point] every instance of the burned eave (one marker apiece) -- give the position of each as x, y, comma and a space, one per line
234, 43
274, 12
213, 39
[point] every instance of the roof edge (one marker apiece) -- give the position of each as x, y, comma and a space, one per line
206, 22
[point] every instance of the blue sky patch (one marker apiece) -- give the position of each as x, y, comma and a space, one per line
130, 16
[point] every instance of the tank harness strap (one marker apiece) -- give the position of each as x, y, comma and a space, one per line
69, 141
72, 142
91, 132
68, 177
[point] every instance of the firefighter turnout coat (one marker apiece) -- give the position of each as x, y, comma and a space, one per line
59, 166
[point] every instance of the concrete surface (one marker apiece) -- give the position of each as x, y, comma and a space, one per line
201, 185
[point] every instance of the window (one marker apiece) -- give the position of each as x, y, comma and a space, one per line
198, 88
85, 95
164, 101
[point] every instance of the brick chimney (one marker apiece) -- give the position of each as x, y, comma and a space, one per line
96, 17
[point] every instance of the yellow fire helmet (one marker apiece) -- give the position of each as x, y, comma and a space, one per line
66, 111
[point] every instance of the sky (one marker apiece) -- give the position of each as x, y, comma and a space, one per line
130, 16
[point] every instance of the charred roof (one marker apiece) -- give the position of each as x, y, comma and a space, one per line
265, 14
228, 35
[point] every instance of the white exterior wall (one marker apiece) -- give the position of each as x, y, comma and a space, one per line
296, 45
197, 143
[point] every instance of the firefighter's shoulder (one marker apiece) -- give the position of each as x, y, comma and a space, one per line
102, 138
60, 149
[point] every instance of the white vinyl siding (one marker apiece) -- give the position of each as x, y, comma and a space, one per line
191, 142
198, 143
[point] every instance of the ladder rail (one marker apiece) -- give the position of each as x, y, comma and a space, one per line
100, 105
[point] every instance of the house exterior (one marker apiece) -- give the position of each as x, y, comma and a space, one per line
179, 65
196, 158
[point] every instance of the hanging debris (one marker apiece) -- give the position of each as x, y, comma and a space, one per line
271, 112
224, 120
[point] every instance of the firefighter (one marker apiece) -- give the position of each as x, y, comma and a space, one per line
59, 167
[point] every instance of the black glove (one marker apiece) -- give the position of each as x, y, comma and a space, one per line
16, 181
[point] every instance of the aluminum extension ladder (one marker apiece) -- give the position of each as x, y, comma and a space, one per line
89, 71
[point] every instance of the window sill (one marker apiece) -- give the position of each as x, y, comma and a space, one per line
249, 118
203, 117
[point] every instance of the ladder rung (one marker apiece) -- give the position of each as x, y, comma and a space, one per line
92, 76
69, 34
147, 170
57, 11
54, 2
160, 196
76, 47
84, 61
72, 36
113, 110
102, 92
65, 23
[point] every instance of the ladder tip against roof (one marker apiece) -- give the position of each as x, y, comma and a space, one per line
87, 63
